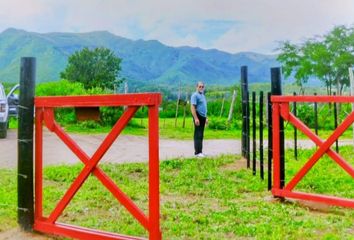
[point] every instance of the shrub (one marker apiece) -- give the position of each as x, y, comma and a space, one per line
218, 124
110, 115
65, 88
90, 124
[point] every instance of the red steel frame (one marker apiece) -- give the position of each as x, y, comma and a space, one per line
45, 113
281, 109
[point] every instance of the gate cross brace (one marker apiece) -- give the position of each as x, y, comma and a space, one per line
91, 165
324, 146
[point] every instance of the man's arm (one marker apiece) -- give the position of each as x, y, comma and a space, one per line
194, 113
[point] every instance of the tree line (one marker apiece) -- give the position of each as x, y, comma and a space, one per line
326, 57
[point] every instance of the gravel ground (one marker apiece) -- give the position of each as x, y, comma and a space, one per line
125, 149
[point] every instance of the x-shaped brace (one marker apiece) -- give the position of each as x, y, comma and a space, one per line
91, 165
324, 146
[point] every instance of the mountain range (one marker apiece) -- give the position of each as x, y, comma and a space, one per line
143, 62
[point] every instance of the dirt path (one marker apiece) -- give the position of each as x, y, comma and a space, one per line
125, 149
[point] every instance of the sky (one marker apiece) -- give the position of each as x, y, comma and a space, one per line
228, 25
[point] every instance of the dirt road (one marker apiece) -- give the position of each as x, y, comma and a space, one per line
125, 149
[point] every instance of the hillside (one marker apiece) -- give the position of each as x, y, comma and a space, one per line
144, 62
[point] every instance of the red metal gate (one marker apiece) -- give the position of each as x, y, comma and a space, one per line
45, 113
281, 109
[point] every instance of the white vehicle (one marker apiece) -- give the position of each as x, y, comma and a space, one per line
6, 110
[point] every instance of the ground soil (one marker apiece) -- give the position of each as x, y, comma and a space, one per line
124, 150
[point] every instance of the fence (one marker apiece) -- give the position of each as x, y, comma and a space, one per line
44, 107
281, 110
312, 109
246, 123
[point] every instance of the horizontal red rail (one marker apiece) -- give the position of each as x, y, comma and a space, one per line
79, 232
336, 201
136, 99
324, 99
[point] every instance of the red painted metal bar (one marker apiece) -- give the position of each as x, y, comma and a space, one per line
105, 180
80, 232
107, 142
319, 99
38, 212
276, 146
154, 188
336, 201
137, 99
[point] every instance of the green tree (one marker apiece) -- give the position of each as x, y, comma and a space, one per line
294, 62
340, 43
326, 57
93, 68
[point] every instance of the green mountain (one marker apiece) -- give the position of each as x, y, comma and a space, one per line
144, 62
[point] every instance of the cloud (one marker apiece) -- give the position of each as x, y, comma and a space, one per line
230, 25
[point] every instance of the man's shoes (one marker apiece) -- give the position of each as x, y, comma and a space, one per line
200, 155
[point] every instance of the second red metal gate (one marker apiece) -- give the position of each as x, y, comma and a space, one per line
281, 109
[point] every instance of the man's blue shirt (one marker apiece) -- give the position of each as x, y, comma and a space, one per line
198, 99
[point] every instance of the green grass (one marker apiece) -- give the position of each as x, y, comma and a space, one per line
212, 198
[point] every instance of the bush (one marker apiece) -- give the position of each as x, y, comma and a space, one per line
110, 115
90, 124
65, 88
218, 124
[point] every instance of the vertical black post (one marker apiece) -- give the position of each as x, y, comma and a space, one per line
335, 121
270, 141
295, 130
316, 115
25, 144
244, 90
254, 144
276, 90
261, 134
248, 143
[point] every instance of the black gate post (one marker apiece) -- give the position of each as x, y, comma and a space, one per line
270, 141
248, 141
316, 115
254, 129
261, 134
25, 144
295, 129
244, 90
276, 90
335, 121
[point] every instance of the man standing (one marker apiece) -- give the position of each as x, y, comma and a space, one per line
199, 112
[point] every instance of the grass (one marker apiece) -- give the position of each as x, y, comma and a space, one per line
139, 127
212, 198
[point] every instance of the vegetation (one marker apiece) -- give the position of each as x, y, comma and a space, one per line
216, 198
182, 128
325, 57
93, 68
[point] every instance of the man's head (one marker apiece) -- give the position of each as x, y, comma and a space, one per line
200, 87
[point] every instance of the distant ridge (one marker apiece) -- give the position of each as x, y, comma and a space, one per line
144, 62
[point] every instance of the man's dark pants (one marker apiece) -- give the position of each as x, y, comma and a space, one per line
199, 134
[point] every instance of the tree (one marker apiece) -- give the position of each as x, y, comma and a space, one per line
340, 43
94, 68
324, 57
294, 62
